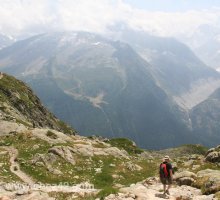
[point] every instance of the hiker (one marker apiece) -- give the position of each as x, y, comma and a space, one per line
166, 174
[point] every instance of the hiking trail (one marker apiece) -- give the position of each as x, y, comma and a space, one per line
15, 167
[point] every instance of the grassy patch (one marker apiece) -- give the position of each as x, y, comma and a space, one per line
126, 144
195, 149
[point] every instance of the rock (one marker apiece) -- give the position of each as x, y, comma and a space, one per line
36, 146
188, 163
132, 167
184, 178
213, 155
152, 192
55, 171
120, 197
5, 198
11, 187
209, 180
98, 170
114, 151
185, 181
118, 185
22, 191
7, 127
117, 176
65, 152
39, 164
194, 157
150, 181
194, 167
37, 196
185, 174
84, 150
88, 150
46, 160
210, 150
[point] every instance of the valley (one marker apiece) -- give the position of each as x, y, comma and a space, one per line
79, 75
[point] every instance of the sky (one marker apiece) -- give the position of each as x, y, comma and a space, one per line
173, 5
160, 17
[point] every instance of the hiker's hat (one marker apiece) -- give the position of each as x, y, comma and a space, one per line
166, 158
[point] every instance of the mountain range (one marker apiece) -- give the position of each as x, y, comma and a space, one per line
152, 90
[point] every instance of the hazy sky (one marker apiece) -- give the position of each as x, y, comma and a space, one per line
173, 5
161, 17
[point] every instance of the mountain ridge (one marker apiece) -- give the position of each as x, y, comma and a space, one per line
79, 75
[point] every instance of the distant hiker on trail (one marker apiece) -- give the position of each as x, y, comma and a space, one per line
166, 174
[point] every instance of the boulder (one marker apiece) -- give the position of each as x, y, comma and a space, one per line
65, 152
184, 174
132, 167
185, 178
213, 155
208, 180
114, 151
46, 160
89, 150
185, 181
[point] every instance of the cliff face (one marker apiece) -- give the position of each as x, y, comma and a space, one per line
18, 103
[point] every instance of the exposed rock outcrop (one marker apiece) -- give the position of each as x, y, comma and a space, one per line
65, 152
47, 161
209, 180
213, 155
185, 178
153, 191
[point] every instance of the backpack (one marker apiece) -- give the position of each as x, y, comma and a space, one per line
163, 170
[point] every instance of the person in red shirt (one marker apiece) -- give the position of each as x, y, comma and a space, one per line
166, 174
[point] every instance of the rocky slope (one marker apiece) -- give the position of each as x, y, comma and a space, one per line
46, 164
19, 104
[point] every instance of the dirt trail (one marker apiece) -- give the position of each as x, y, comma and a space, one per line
15, 167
